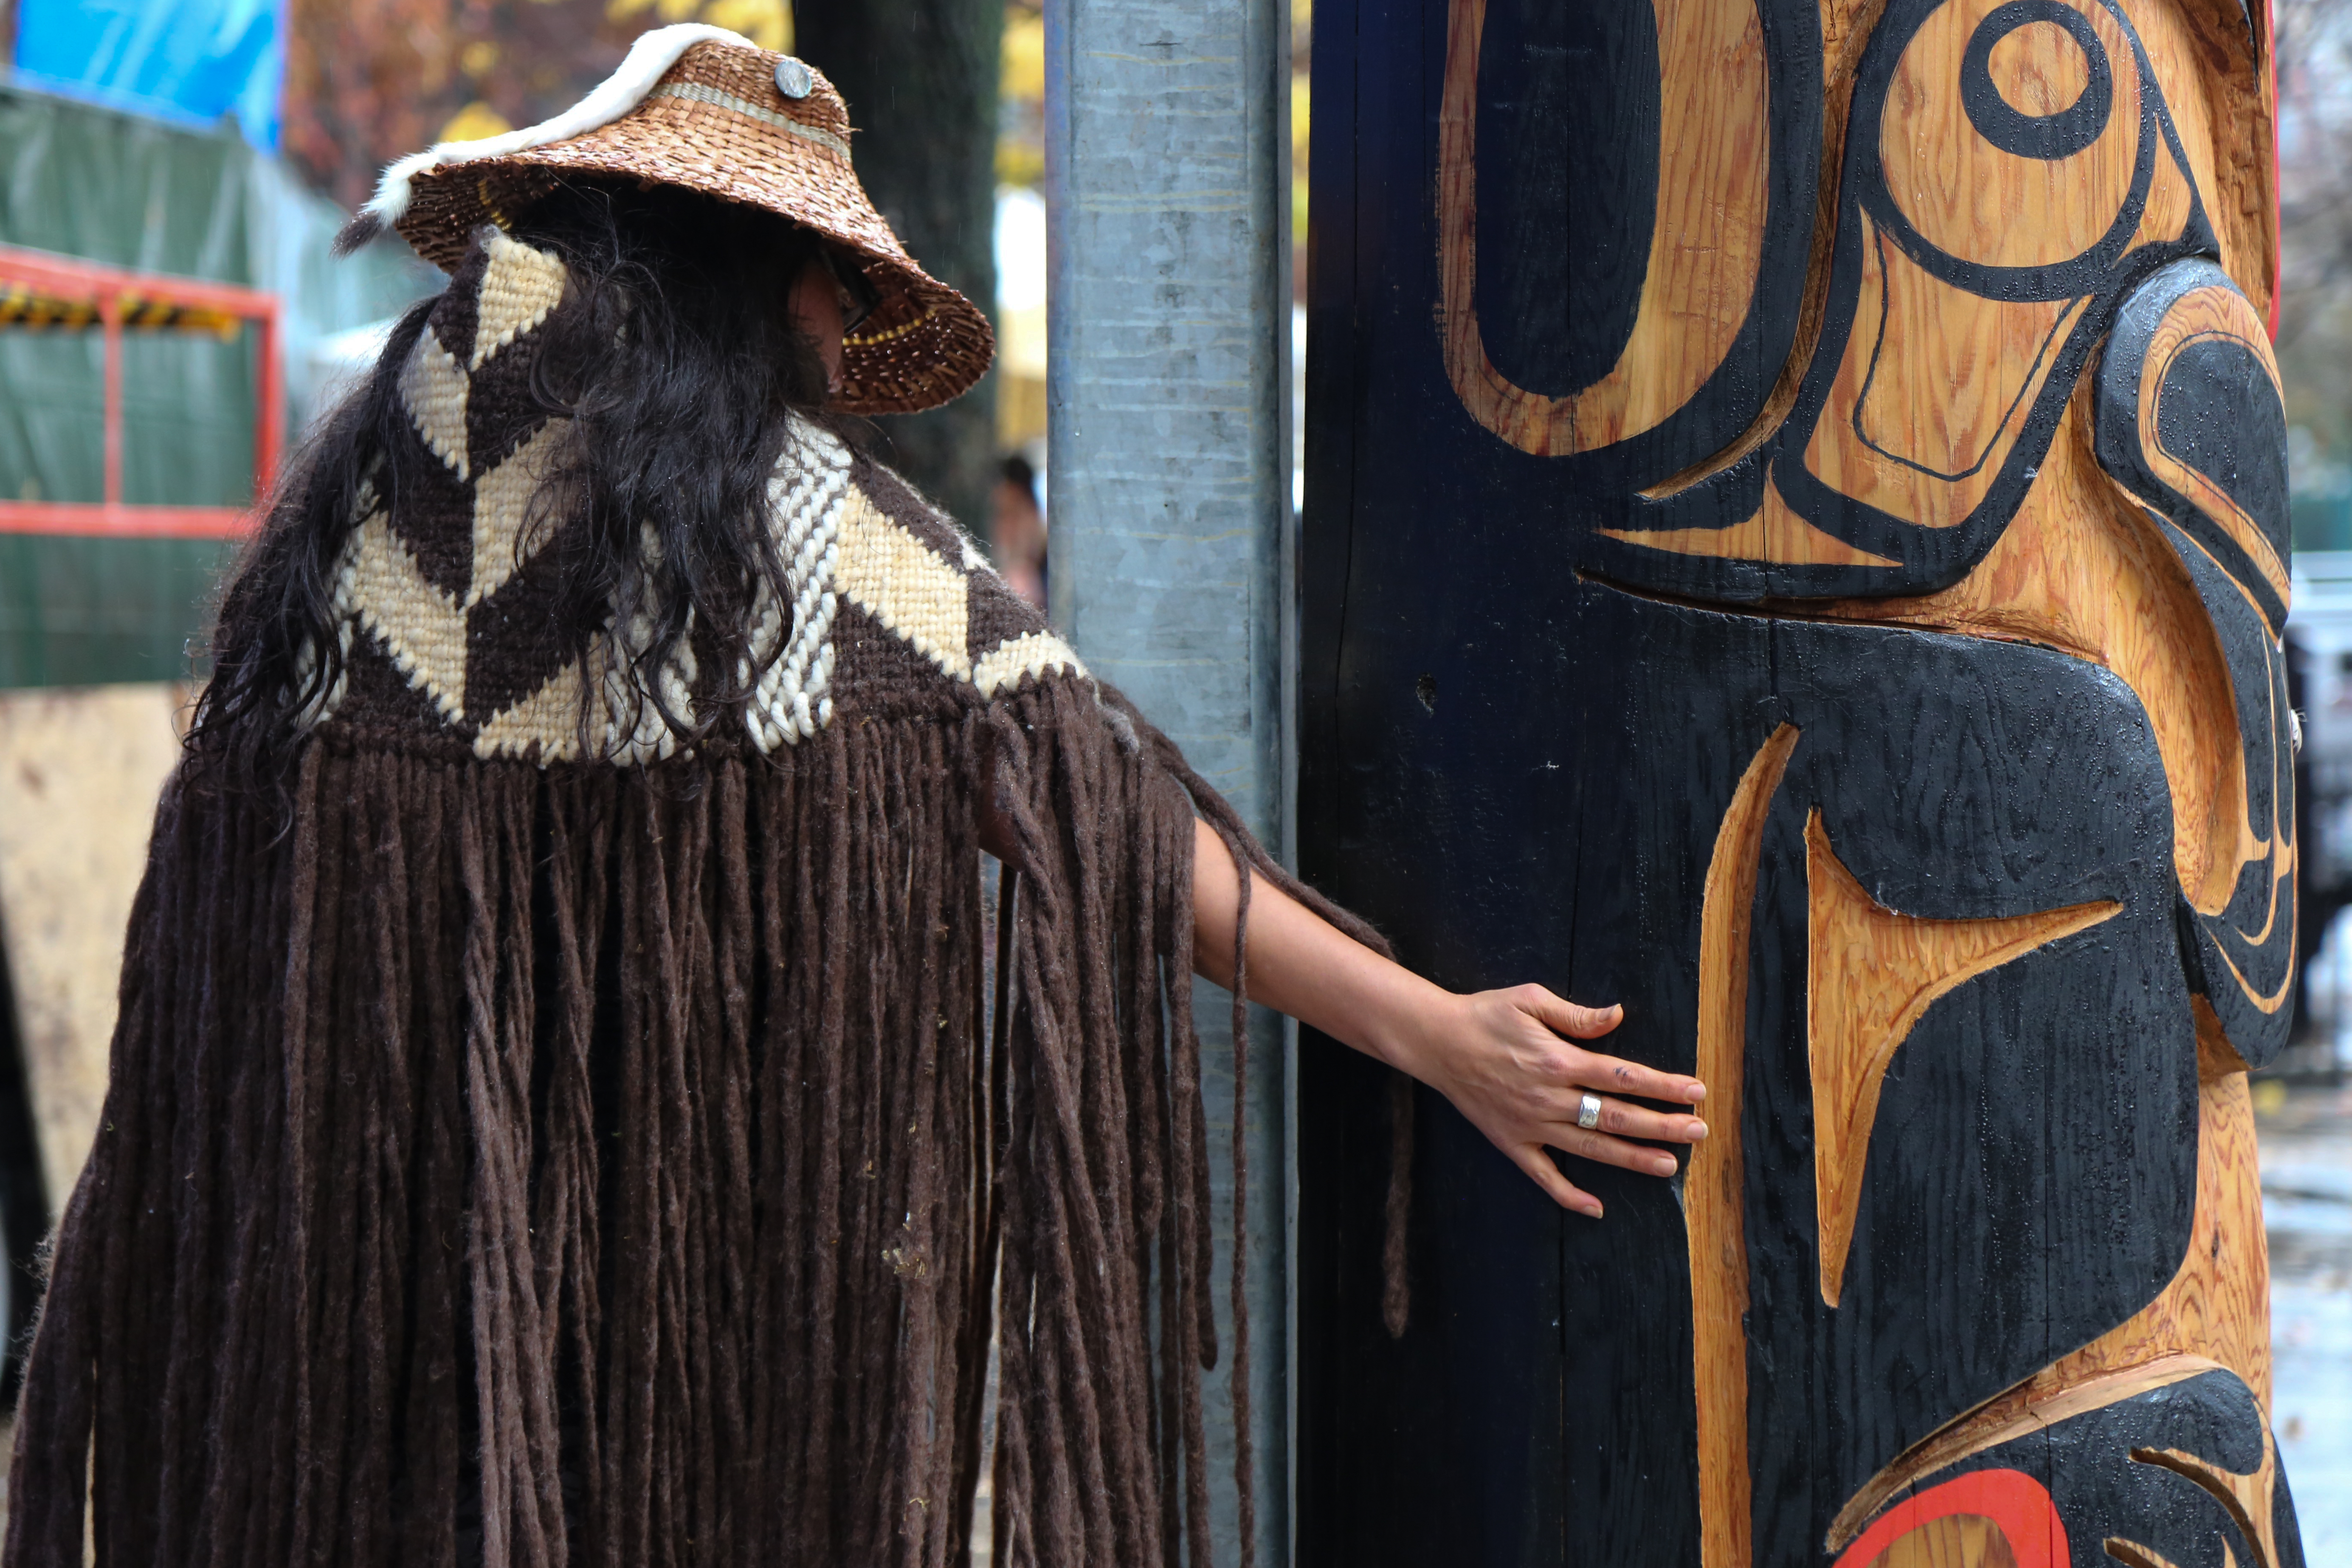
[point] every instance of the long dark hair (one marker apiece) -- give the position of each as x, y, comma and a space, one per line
675, 358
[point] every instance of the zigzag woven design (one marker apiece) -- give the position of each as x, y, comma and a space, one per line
445, 602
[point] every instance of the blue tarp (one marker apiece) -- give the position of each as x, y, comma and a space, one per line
193, 61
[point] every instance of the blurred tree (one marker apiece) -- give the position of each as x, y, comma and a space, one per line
921, 79
365, 83
2314, 321
1021, 89
370, 80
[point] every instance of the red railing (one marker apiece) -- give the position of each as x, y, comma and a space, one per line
116, 297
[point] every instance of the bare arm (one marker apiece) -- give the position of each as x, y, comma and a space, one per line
1499, 1056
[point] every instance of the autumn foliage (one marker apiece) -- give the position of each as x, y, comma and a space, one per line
369, 81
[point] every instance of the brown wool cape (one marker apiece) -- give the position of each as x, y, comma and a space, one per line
546, 1152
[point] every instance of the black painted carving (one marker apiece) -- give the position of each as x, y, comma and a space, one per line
2106, 1483
2060, 134
2219, 413
1552, 819
1597, 189
1567, 192
1610, 732
1616, 487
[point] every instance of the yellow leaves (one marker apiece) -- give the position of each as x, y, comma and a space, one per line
1019, 163
666, 10
767, 22
1299, 118
1024, 78
1021, 82
474, 123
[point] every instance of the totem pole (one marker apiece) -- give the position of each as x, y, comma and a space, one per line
1797, 543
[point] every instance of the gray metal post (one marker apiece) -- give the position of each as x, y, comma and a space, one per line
1167, 170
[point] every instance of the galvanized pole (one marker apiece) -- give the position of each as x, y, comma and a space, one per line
1167, 178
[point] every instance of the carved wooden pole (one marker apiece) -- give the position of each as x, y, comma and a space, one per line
1797, 543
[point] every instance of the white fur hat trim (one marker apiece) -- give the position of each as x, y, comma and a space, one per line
648, 61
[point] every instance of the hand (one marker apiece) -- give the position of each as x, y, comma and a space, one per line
1499, 1057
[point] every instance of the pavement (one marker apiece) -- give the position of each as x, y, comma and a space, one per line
2307, 1159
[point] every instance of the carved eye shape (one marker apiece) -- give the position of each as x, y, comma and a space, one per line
2026, 154
1605, 218
2041, 45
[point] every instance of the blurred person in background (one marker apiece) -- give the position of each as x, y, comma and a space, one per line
1017, 530
557, 1112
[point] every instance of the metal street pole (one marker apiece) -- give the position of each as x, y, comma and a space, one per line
1167, 172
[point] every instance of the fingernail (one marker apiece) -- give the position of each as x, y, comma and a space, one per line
1593, 1211
1698, 1092
1695, 1130
1663, 1164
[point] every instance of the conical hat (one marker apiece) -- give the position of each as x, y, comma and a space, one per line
706, 109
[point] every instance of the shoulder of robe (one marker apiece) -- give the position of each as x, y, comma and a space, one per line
442, 601
918, 604
444, 591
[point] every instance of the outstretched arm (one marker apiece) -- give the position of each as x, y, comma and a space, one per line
1507, 1059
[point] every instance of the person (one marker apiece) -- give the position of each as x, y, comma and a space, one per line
1017, 530
557, 1114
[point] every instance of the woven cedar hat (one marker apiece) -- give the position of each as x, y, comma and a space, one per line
703, 107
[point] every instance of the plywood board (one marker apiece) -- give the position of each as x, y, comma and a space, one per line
80, 773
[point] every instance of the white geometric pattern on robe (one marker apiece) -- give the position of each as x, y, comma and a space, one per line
845, 546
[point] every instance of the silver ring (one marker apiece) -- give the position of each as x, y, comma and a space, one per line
1588, 1112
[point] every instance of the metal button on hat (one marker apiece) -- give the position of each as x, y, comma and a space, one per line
794, 79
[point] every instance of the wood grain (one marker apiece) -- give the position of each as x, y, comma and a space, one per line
1955, 1541
1713, 1188
80, 771
1940, 367
1933, 388
2214, 313
1846, 27
1872, 973
2222, 91
1976, 201
2218, 1305
1999, 1421
1775, 532
1924, 427
2246, 1497
1714, 153
2215, 1314
1989, 1518
2081, 568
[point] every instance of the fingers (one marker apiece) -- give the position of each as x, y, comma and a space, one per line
1566, 1017
1618, 1075
1612, 1073
1640, 1158
1537, 1163
1636, 1121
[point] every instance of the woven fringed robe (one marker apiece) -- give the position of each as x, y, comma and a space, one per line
548, 1154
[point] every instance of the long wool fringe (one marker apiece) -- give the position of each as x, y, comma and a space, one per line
538, 1168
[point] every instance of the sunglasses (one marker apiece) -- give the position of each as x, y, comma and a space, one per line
858, 295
